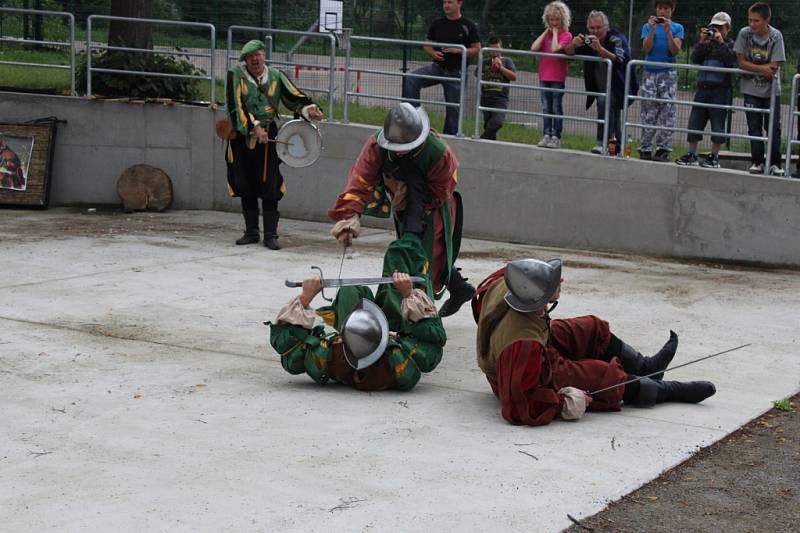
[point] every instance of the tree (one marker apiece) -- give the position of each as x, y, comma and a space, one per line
131, 34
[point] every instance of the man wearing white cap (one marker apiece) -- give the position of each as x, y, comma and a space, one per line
713, 49
407, 169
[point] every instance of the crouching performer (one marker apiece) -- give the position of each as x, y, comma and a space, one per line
540, 369
380, 342
408, 169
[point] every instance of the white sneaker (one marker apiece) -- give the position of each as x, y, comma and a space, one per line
555, 142
598, 149
756, 168
544, 142
775, 170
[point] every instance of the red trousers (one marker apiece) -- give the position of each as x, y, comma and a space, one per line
570, 360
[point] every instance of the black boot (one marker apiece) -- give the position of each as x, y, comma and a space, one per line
635, 363
271, 230
251, 228
460, 293
653, 391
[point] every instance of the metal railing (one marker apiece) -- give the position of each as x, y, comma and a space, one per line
70, 44
348, 68
93, 46
768, 138
794, 116
606, 95
267, 34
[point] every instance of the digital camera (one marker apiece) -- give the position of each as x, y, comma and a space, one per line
710, 31
660, 20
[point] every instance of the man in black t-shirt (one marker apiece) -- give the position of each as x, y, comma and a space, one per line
450, 29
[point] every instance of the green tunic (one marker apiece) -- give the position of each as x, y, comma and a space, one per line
249, 102
416, 348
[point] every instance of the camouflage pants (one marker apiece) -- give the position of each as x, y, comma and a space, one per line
663, 85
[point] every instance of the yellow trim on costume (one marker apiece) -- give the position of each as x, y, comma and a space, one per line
240, 91
292, 89
385, 208
455, 175
283, 188
362, 181
424, 269
272, 88
400, 368
230, 191
372, 205
348, 196
229, 154
328, 316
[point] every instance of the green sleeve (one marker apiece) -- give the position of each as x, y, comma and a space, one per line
302, 350
423, 342
291, 96
235, 102
406, 370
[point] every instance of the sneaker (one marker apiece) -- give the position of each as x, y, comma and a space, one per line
688, 160
661, 155
775, 170
756, 168
711, 161
645, 155
555, 142
598, 149
544, 142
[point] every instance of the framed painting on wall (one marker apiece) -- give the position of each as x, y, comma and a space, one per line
26, 155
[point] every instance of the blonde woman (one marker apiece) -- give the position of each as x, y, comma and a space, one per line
553, 70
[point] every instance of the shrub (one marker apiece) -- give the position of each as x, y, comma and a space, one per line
140, 85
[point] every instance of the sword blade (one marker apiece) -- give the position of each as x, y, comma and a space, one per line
328, 283
668, 369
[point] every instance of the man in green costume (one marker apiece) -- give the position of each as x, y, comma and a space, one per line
380, 342
254, 94
407, 168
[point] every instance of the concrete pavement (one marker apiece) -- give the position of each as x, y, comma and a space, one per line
137, 390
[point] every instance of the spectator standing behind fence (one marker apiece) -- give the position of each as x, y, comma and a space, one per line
759, 49
661, 42
714, 49
797, 101
607, 43
452, 29
552, 70
495, 68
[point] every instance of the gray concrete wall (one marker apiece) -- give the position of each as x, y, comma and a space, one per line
511, 192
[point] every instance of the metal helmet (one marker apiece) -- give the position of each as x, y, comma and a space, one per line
531, 283
365, 334
405, 128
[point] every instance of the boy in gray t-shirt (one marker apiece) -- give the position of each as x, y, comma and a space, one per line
759, 49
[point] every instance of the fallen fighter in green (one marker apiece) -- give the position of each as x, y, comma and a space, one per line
380, 342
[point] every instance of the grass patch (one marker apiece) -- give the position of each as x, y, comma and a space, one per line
783, 405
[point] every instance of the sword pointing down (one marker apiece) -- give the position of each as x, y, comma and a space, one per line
328, 283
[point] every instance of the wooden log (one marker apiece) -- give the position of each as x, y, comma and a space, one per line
144, 187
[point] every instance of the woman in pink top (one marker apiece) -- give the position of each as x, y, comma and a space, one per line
553, 70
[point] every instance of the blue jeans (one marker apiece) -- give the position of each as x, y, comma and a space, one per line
452, 91
551, 104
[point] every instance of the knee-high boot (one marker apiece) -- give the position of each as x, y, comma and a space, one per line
637, 364
460, 293
271, 229
648, 392
251, 227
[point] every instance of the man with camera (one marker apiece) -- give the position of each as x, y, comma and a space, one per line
608, 43
714, 49
495, 68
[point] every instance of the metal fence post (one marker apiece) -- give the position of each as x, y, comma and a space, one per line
607, 113
332, 71
211, 65
478, 85
72, 91
770, 139
462, 94
794, 114
347, 65
623, 140
89, 20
